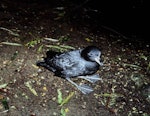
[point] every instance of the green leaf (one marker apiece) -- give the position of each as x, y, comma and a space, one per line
28, 84
33, 42
60, 48
67, 47
67, 99
60, 99
5, 104
63, 113
40, 48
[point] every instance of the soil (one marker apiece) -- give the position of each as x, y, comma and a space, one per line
28, 90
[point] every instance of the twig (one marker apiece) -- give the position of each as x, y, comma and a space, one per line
51, 39
11, 44
4, 111
9, 31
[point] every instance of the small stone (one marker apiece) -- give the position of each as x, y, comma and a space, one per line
54, 113
45, 88
54, 98
39, 70
43, 105
42, 77
83, 106
43, 94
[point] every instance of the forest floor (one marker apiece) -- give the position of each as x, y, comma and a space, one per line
27, 31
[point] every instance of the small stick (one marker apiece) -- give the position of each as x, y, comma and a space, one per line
9, 31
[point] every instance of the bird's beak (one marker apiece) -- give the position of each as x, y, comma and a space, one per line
98, 61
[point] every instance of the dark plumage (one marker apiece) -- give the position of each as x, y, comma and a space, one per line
77, 63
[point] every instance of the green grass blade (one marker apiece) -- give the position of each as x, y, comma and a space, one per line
66, 100
60, 99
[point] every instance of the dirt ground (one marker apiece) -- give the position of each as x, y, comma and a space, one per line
27, 31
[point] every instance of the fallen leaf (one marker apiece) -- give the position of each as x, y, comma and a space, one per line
67, 99
60, 99
3, 85
51, 39
11, 44
66, 110
28, 84
88, 40
63, 113
1, 97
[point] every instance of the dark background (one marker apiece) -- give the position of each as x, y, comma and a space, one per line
128, 17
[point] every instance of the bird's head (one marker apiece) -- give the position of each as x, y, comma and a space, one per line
92, 53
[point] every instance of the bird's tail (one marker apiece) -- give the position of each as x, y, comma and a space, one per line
41, 63
46, 62
45, 65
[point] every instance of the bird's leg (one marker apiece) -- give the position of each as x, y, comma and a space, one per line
91, 78
83, 88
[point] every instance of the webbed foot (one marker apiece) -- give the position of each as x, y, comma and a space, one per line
83, 88
91, 78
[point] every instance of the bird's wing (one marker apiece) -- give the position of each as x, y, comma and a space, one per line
66, 61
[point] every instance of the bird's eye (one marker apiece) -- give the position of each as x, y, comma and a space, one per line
98, 54
90, 54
